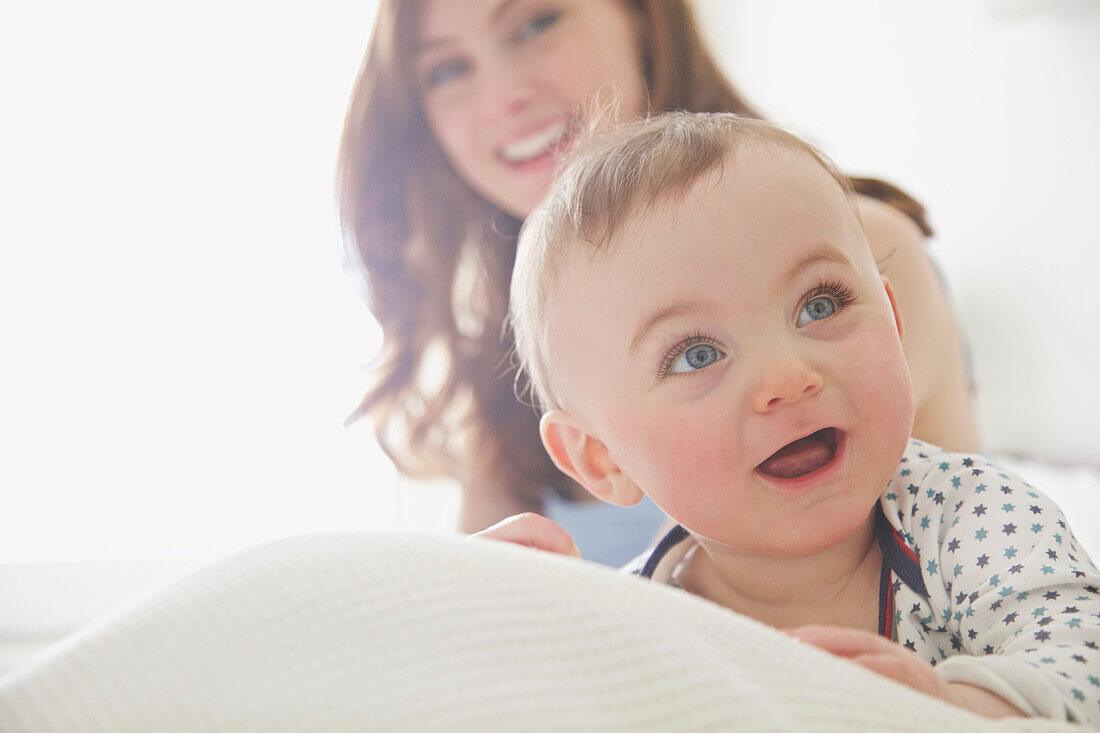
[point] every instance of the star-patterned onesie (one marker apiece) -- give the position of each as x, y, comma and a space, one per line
982, 577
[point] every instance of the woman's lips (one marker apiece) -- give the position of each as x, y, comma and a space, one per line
802, 457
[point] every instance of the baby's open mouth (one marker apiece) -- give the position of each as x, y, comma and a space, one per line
801, 457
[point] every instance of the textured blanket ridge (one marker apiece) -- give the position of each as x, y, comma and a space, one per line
391, 631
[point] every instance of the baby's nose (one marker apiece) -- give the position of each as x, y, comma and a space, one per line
785, 380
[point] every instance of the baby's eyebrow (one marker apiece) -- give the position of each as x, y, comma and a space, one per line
822, 253
678, 308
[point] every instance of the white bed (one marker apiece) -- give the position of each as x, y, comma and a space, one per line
386, 631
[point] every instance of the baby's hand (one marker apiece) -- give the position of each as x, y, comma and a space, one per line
532, 530
878, 654
884, 657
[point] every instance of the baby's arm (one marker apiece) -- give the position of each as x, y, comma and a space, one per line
532, 530
882, 656
1033, 608
1010, 586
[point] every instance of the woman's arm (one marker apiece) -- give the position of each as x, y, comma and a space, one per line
487, 503
932, 340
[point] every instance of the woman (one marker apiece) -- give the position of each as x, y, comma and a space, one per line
457, 122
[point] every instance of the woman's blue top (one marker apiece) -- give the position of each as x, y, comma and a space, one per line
605, 533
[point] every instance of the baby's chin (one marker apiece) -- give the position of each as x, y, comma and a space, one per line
797, 543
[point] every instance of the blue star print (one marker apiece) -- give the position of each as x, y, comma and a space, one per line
987, 545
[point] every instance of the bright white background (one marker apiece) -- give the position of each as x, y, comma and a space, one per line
179, 346
180, 343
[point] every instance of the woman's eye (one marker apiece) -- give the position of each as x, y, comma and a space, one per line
816, 309
445, 72
694, 358
538, 24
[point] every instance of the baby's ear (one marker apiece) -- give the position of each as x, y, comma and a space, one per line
585, 459
893, 305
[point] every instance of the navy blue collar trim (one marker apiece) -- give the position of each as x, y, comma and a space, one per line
885, 602
898, 556
674, 537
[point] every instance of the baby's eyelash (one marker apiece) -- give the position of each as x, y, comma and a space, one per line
835, 289
676, 350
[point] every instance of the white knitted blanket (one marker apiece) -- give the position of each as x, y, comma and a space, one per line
386, 631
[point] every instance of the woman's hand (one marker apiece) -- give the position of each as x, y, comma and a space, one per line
532, 530
882, 656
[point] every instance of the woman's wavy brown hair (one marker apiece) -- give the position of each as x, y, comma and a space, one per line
435, 259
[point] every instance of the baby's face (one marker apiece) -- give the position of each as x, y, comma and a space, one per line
740, 357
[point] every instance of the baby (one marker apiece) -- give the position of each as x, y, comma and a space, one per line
702, 322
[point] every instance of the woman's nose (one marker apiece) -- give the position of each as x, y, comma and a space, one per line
505, 89
786, 378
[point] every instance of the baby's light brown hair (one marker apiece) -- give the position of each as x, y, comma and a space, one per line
611, 178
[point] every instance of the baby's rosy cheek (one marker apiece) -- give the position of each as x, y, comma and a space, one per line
883, 387
688, 461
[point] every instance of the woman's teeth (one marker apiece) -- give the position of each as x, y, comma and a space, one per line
535, 144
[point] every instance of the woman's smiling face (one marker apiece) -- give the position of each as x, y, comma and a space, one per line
739, 356
504, 84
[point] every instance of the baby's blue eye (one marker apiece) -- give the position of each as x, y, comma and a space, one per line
694, 358
816, 309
